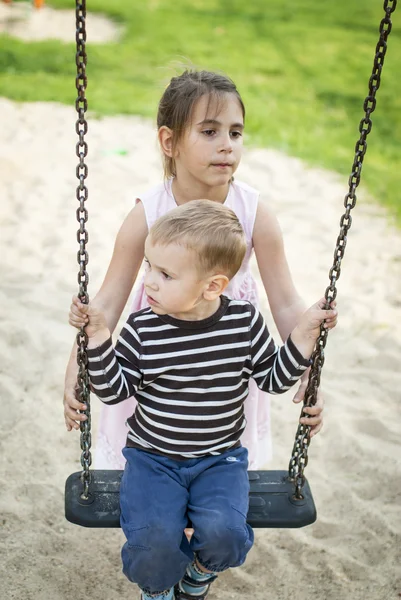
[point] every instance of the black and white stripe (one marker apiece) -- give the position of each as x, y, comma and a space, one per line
191, 377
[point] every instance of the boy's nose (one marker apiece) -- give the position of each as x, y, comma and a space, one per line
150, 281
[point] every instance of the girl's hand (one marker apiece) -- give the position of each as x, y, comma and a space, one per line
313, 318
315, 420
71, 403
95, 319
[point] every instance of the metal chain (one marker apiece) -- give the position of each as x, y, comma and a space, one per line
299, 458
81, 128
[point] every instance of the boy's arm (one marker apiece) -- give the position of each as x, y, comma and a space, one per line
115, 373
275, 369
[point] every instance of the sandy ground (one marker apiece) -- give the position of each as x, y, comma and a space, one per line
22, 20
353, 550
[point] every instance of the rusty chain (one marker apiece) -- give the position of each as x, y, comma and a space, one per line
299, 457
81, 127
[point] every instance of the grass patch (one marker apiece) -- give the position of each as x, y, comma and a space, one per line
302, 68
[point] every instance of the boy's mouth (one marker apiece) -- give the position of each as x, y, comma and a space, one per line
151, 300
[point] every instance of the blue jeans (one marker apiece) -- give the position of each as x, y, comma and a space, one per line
158, 495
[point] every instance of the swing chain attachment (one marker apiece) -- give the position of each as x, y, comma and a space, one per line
81, 128
299, 457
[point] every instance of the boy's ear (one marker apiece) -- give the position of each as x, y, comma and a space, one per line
215, 286
165, 136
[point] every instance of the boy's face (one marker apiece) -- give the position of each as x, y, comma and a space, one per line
210, 150
172, 282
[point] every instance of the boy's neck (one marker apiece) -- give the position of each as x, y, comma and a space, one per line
184, 192
201, 311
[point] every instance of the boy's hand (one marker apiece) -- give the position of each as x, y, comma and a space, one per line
307, 331
76, 317
310, 321
313, 317
95, 319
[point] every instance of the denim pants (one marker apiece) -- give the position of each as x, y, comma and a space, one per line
158, 495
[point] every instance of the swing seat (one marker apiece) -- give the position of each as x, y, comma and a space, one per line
271, 500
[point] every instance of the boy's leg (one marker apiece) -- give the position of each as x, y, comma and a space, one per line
153, 503
218, 506
195, 583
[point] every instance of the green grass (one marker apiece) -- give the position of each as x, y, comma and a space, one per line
302, 67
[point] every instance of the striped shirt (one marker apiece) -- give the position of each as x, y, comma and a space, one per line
191, 378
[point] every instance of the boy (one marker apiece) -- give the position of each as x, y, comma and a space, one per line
188, 360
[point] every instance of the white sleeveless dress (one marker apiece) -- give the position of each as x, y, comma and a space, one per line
243, 200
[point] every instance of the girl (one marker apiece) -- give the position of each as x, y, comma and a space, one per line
200, 126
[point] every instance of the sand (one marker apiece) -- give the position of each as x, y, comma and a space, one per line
22, 20
353, 550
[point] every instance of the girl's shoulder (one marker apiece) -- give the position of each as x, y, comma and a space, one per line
244, 189
244, 202
156, 201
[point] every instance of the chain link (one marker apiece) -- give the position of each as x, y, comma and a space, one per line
81, 127
299, 457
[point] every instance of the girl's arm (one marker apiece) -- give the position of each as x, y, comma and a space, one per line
286, 304
111, 298
124, 266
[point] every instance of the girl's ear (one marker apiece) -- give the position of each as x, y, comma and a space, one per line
165, 136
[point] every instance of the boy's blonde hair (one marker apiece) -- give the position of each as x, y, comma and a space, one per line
210, 229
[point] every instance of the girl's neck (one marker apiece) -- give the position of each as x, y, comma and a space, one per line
184, 193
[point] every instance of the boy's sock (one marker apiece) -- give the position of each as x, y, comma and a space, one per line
195, 582
166, 595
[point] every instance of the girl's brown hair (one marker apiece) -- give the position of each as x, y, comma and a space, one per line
179, 98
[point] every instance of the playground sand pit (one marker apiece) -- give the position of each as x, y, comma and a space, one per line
353, 550
23, 20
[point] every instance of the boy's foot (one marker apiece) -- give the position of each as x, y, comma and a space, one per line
167, 595
180, 594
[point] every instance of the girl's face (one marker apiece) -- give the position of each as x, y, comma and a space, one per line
209, 151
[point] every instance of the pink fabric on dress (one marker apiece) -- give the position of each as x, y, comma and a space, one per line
243, 200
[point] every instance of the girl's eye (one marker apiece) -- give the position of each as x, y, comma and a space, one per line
166, 275
208, 132
236, 134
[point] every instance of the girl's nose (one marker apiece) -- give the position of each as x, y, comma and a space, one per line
226, 144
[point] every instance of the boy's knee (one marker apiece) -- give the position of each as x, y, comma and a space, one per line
231, 537
230, 542
147, 551
157, 537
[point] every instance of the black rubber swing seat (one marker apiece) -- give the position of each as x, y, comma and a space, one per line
271, 500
